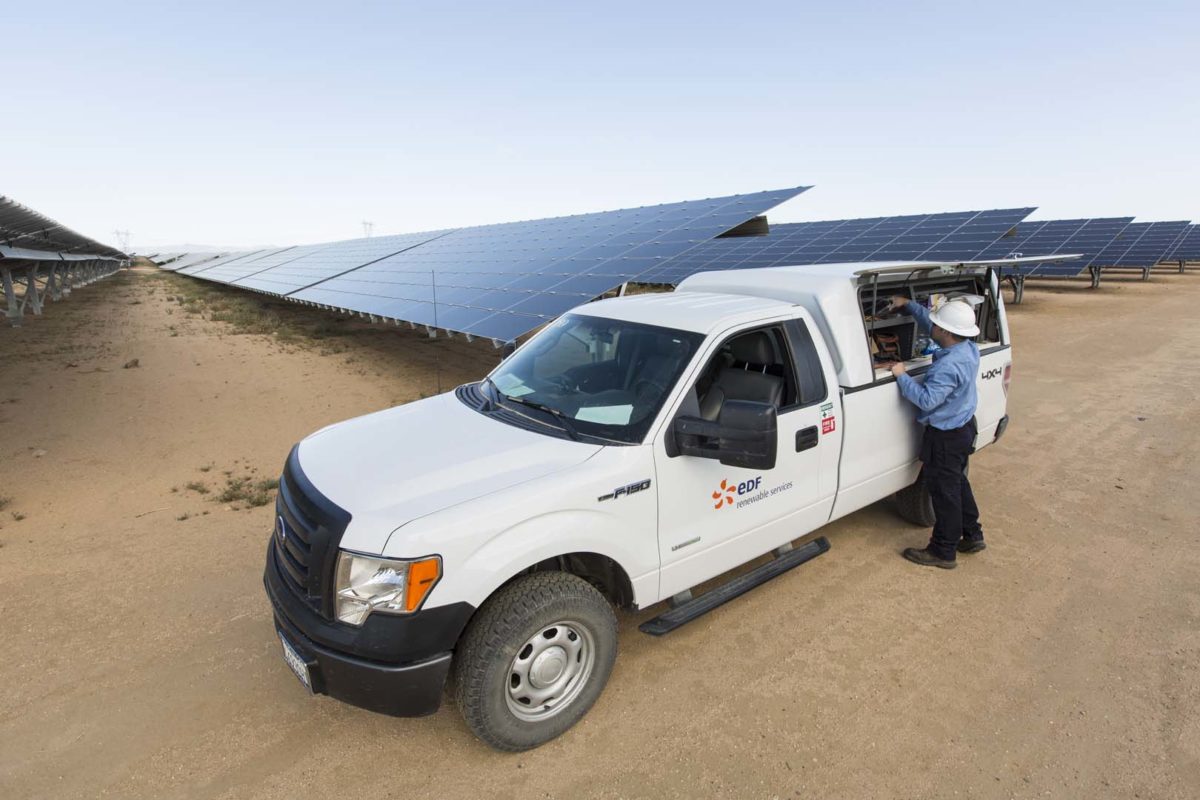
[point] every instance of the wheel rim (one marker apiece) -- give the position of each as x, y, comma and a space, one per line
550, 670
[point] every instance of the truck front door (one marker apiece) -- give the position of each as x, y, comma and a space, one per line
713, 517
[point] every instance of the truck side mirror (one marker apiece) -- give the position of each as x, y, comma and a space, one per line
745, 435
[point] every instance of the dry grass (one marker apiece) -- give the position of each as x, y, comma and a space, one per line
252, 492
249, 313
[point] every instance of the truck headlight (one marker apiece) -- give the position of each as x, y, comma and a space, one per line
387, 585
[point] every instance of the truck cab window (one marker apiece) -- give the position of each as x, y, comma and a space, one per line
754, 365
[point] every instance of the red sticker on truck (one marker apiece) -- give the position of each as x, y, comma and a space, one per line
829, 425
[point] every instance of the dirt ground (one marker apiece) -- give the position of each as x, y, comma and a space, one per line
139, 658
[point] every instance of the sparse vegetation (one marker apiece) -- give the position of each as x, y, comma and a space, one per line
246, 490
206, 468
5, 502
18, 516
197, 487
183, 516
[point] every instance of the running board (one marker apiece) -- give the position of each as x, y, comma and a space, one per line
686, 612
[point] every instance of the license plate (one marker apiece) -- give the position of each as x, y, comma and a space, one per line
297, 664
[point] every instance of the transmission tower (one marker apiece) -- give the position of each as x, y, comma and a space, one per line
123, 238
368, 228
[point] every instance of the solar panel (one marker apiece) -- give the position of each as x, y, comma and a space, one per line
1140, 245
322, 262
224, 258
1086, 237
190, 260
499, 281
231, 269
1186, 247
960, 235
1089, 241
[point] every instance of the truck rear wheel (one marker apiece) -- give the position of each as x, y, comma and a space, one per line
534, 660
914, 504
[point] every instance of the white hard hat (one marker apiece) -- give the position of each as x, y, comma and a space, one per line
957, 317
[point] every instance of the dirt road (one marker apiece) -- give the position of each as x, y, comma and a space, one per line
139, 659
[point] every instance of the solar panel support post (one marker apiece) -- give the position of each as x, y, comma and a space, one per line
1182, 266
52, 282
32, 296
1095, 277
1018, 287
1146, 274
14, 311
64, 281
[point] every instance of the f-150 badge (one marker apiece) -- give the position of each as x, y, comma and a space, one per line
624, 491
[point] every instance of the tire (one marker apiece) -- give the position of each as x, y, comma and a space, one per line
534, 660
914, 504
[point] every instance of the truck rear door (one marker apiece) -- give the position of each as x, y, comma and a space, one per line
995, 367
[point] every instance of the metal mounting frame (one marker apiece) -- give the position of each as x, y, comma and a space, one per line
44, 280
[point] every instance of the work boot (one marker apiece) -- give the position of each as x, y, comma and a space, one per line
927, 559
969, 546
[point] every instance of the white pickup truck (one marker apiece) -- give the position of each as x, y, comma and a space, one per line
632, 450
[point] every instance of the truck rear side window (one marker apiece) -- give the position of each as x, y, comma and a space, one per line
766, 365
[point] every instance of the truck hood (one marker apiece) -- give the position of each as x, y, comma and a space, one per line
389, 468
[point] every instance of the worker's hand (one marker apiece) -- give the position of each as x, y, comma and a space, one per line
898, 302
898, 369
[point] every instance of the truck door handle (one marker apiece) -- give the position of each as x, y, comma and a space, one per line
806, 438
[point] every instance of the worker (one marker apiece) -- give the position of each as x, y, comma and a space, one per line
946, 407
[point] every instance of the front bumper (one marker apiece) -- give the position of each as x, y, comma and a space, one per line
401, 690
392, 665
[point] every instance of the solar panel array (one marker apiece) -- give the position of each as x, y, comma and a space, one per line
189, 260
1085, 237
494, 281
1140, 245
1187, 247
21, 226
224, 258
955, 236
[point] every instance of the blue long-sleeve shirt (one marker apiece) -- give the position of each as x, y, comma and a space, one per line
948, 398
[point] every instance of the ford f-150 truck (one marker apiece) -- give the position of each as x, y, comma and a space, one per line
627, 453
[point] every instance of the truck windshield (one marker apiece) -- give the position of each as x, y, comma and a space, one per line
594, 377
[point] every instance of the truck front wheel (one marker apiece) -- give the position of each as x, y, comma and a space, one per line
534, 660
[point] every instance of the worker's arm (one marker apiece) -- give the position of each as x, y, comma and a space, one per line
939, 383
916, 310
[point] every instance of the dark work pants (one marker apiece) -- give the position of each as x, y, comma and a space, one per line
945, 454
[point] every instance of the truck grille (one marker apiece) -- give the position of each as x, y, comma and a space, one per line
308, 529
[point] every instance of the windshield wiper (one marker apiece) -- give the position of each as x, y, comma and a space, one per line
564, 421
490, 402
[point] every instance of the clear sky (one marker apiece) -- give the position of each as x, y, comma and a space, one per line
278, 123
